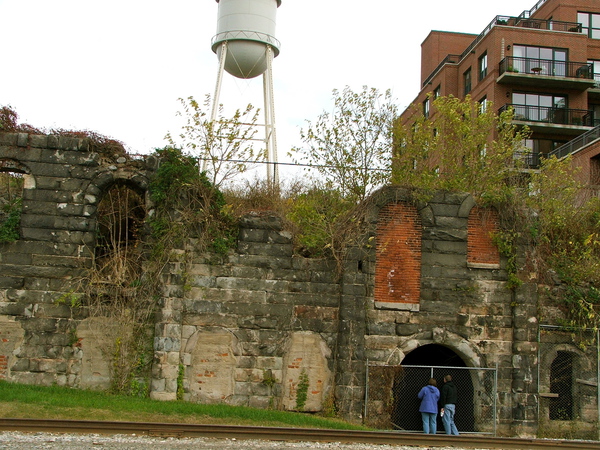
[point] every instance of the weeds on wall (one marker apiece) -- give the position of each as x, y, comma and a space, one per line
9, 123
133, 249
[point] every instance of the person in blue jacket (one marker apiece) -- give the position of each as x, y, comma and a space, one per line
429, 397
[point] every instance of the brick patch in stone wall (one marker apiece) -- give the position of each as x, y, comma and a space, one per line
398, 264
483, 222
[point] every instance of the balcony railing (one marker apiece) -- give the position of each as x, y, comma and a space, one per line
577, 143
529, 160
553, 25
550, 115
539, 24
547, 67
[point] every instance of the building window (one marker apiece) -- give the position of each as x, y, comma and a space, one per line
540, 60
483, 105
467, 81
590, 23
483, 66
596, 116
437, 92
426, 108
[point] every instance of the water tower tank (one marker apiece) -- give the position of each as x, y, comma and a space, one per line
247, 26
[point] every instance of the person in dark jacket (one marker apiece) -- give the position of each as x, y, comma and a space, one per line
429, 397
448, 401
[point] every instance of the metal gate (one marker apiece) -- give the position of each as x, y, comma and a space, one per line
391, 397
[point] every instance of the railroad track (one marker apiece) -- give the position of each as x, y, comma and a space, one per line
286, 434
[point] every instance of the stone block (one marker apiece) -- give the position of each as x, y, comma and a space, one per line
167, 344
262, 261
407, 329
11, 282
163, 396
261, 221
238, 400
228, 295
261, 249
286, 275
262, 402
242, 389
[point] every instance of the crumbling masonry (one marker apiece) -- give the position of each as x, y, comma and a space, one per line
248, 327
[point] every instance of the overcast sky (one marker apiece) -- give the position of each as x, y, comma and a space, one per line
117, 67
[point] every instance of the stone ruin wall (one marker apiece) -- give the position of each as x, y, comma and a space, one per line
246, 327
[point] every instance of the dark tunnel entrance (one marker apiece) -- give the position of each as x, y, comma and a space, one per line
431, 362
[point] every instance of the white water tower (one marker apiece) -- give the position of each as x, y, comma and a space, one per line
245, 44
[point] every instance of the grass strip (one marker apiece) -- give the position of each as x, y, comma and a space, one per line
56, 402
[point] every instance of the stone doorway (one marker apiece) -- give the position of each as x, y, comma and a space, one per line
426, 361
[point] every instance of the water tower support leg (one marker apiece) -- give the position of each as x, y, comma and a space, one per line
270, 135
215, 106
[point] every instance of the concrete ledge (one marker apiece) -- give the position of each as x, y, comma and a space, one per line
483, 266
398, 306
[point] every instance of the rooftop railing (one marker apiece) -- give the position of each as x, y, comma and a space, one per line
450, 59
521, 21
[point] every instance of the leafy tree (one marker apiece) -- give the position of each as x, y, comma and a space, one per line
225, 145
350, 147
317, 214
453, 150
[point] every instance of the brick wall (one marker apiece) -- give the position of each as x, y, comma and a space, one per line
483, 222
398, 264
3, 367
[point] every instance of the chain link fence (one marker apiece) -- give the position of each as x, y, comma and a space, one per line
391, 397
568, 383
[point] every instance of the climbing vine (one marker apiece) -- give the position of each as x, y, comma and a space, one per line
302, 390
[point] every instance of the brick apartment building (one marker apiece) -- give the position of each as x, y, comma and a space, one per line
545, 64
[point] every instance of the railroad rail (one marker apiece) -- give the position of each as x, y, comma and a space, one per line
286, 434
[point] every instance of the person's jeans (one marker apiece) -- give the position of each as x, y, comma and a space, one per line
429, 422
448, 419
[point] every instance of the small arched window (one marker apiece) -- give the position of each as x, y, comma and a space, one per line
120, 216
11, 197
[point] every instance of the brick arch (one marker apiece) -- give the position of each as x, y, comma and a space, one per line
481, 225
398, 257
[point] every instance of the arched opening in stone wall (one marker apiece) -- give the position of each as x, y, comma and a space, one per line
11, 203
119, 220
409, 381
561, 383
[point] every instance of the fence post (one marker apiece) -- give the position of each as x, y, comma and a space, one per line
495, 400
366, 392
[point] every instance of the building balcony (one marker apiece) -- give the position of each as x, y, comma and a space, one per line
548, 119
546, 73
528, 160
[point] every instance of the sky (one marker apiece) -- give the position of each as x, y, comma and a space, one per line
118, 67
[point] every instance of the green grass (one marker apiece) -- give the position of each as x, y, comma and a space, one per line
27, 401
